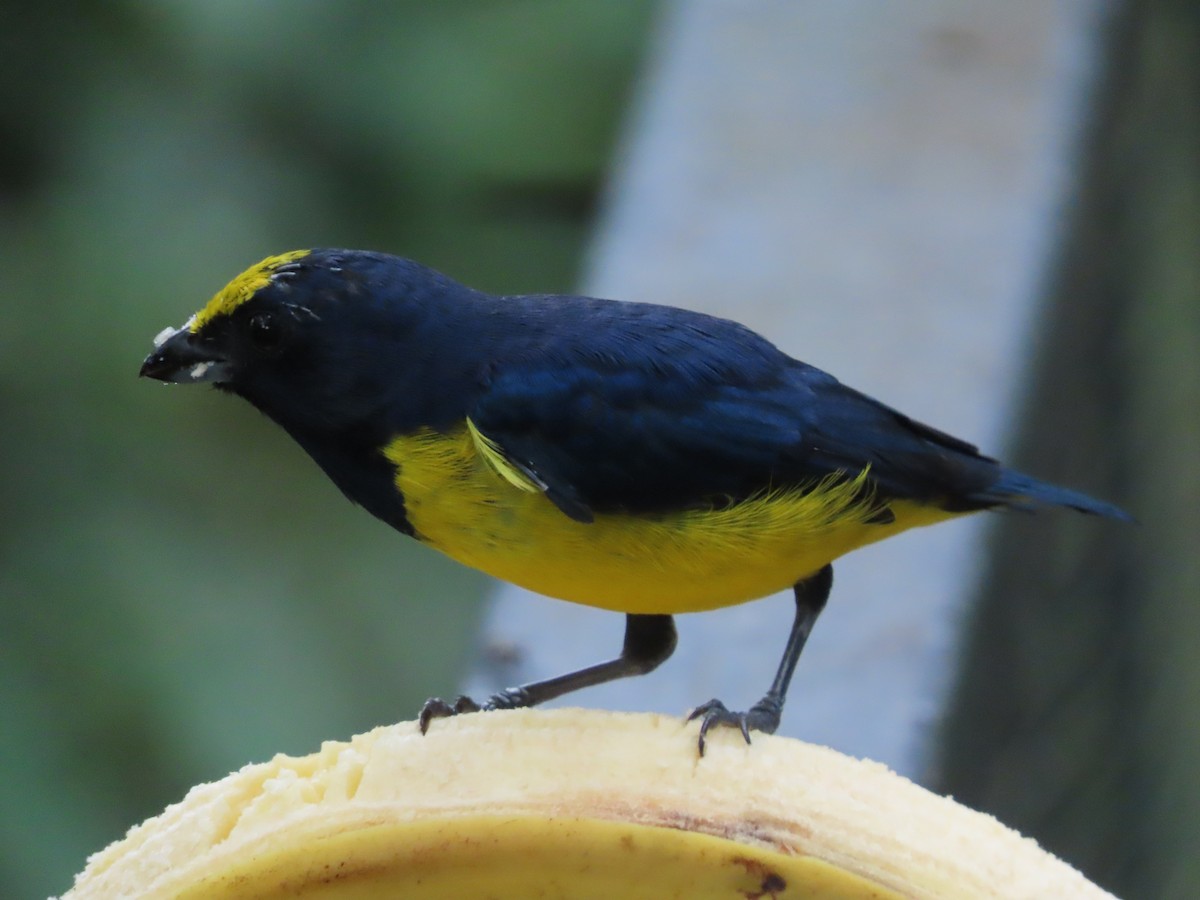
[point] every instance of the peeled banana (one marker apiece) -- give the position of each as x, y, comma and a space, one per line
570, 804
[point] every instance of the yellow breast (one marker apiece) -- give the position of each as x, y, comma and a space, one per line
691, 560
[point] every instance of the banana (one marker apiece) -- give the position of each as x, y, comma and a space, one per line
571, 804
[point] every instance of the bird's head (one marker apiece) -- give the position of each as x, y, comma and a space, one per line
316, 338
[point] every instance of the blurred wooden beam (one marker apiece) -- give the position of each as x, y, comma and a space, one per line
874, 186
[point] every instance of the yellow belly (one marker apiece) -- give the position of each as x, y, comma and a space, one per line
686, 561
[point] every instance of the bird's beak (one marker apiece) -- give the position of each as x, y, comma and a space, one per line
179, 357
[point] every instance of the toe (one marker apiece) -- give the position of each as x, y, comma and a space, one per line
434, 708
714, 712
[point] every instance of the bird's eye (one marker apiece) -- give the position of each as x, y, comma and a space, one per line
265, 332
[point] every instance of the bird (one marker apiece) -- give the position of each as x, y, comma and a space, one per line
639, 458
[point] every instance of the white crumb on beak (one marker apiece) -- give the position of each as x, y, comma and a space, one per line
165, 335
200, 368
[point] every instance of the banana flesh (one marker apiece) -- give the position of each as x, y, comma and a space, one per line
570, 804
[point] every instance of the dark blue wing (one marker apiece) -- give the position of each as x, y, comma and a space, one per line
642, 408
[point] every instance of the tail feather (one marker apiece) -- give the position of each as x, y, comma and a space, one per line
1015, 489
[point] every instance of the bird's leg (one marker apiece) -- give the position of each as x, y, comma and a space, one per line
649, 640
764, 715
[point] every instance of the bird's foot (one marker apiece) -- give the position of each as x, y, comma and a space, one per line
437, 708
762, 716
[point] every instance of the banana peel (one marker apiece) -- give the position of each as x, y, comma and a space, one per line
571, 804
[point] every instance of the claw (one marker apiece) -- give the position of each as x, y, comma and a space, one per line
437, 708
759, 717
433, 708
714, 712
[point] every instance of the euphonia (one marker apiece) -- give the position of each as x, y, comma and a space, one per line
634, 457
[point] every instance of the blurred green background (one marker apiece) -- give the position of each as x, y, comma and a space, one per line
169, 606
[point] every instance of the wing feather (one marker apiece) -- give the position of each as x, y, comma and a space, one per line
648, 409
